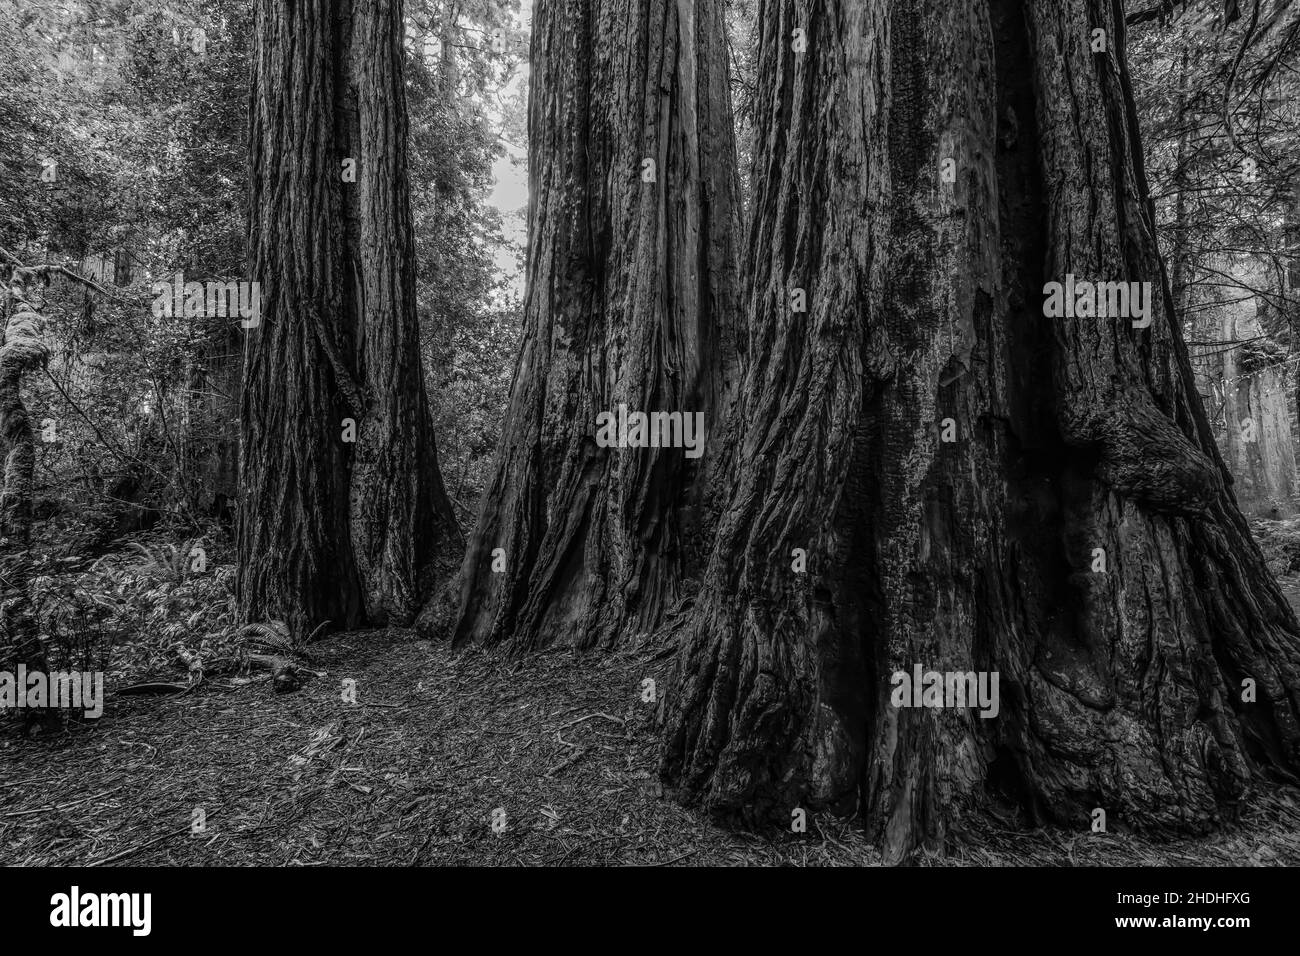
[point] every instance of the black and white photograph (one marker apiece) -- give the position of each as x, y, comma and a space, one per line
645, 438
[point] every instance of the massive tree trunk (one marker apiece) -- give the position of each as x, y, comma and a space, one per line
1077, 537
342, 512
631, 301
403, 529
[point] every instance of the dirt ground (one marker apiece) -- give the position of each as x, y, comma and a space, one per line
414, 771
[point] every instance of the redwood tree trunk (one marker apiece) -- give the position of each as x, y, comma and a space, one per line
404, 532
332, 529
1119, 689
631, 300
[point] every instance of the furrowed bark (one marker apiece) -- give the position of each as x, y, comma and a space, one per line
296, 561
331, 528
404, 533
631, 300
1119, 689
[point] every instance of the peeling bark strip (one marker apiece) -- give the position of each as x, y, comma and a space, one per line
330, 530
1119, 688
631, 300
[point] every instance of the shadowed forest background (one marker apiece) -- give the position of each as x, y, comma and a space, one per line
366, 591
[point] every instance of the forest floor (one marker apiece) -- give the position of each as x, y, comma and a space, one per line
412, 772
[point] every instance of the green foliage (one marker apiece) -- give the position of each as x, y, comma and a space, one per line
469, 320
138, 607
150, 140
167, 562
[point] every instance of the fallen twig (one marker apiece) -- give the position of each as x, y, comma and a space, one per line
676, 858
154, 687
144, 846
66, 806
571, 759
591, 717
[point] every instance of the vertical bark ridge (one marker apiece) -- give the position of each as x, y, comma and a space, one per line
296, 562
1119, 689
404, 533
768, 707
631, 300
334, 526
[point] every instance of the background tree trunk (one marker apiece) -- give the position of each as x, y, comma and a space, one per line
631, 299
324, 535
210, 426
1259, 448
1249, 373
1119, 689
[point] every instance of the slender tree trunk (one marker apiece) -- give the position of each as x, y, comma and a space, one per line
342, 512
223, 384
209, 427
1182, 255
631, 301
1120, 679
21, 351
